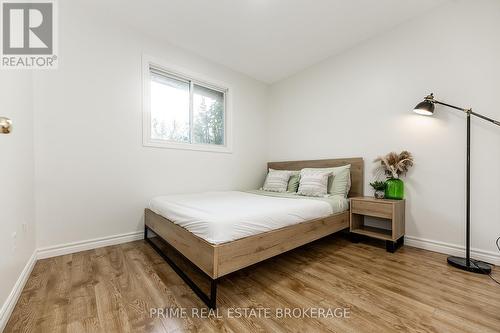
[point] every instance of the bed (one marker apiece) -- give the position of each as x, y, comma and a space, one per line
222, 232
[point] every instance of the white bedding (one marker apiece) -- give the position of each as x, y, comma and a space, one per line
220, 217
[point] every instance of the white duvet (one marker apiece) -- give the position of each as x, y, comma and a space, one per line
220, 217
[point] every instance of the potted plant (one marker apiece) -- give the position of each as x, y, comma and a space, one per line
379, 187
395, 165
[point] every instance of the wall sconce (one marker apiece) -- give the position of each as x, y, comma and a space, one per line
5, 125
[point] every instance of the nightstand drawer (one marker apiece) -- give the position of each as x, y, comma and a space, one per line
376, 209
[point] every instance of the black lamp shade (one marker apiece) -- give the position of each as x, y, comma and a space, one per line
425, 108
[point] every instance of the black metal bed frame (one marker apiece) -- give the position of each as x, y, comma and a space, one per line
210, 301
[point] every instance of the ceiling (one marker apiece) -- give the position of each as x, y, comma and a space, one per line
265, 39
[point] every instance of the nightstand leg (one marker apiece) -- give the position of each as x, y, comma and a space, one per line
354, 237
390, 246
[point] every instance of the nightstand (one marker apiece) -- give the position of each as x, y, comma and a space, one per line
388, 212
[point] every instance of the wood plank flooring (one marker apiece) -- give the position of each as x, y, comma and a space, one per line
112, 290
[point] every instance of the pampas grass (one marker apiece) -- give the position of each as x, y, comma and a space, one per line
393, 165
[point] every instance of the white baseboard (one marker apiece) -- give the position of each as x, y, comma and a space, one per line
452, 249
68, 248
54, 251
11, 300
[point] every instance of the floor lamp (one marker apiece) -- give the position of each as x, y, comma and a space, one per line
426, 108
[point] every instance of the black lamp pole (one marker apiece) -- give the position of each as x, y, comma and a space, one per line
427, 108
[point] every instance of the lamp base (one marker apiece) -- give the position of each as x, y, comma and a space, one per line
475, 266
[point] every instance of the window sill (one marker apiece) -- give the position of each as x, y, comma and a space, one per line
188, 146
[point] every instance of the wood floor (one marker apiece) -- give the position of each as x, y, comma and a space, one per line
112, 290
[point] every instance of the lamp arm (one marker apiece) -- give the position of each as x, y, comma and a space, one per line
451, 106
469, 111
486, 118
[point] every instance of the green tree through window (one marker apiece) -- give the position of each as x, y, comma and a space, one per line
208, 127
184, 111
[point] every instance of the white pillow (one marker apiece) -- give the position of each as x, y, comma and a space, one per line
314, 183
277, 181
293, 182
340, 181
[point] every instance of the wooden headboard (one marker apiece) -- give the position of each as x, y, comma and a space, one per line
357, 170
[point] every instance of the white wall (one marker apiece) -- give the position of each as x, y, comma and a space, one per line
93, 176
358, 104
16, 182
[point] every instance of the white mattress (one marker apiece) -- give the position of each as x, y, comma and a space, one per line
220, 217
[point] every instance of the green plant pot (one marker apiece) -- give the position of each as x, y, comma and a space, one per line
395, 189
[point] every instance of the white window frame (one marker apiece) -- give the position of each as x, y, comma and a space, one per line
195, 78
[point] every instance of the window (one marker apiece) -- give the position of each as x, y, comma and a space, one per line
183, 112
